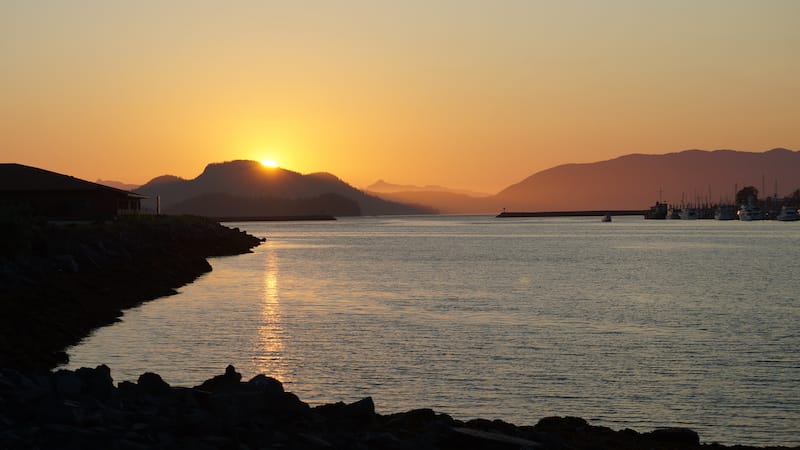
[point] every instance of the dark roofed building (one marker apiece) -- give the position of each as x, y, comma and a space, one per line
61, 197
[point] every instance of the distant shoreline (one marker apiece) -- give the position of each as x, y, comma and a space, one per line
303, 217
600, 213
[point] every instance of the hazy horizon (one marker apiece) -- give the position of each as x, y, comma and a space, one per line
463, 94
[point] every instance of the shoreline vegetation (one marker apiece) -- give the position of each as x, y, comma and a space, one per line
60, 282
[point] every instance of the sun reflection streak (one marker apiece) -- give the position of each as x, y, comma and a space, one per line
269, 356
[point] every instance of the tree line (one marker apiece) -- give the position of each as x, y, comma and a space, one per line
750, 194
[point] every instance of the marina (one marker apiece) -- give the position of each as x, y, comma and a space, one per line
661, 211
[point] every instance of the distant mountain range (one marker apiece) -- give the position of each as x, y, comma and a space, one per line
444, 202
382, 187
633, 181
443, 199
247, 188
637, 181
118, 185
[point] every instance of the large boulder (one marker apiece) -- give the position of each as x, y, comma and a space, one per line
227, 381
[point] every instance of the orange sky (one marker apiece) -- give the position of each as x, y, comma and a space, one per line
469, 94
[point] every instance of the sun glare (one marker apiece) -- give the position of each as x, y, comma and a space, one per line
269, 163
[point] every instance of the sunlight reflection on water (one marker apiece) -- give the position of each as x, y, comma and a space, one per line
269, 351
633, 324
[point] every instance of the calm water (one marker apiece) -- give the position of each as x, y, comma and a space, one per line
633, 323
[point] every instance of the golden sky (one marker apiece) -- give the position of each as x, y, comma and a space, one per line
464, 93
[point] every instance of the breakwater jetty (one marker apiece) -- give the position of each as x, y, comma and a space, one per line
60, 282
619, 212
83, 409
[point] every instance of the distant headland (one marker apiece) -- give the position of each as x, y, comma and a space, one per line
249, 189
629, 182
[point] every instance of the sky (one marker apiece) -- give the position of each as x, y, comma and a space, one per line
463, 93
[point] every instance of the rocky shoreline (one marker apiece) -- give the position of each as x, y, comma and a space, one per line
83, 409
60, 282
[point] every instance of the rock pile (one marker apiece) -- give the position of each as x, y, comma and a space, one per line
82, 409
59, 282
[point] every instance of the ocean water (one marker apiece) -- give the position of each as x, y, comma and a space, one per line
638, 324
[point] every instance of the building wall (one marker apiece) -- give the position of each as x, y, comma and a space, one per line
70, 205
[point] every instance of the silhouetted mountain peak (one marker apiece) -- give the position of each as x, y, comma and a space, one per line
325, 176
118, 184
780, 150
239, 172
240, 164
163, 179
244, 179
232, 170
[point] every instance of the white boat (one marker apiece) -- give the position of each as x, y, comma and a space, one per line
750, 212
725, 212
788, 214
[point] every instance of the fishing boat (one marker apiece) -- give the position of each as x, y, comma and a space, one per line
657, 211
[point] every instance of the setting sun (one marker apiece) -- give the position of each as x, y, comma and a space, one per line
269, 163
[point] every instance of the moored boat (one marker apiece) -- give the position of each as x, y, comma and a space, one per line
688, 213
674, 213
750, 212
657, 211
788, 214
725, 212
